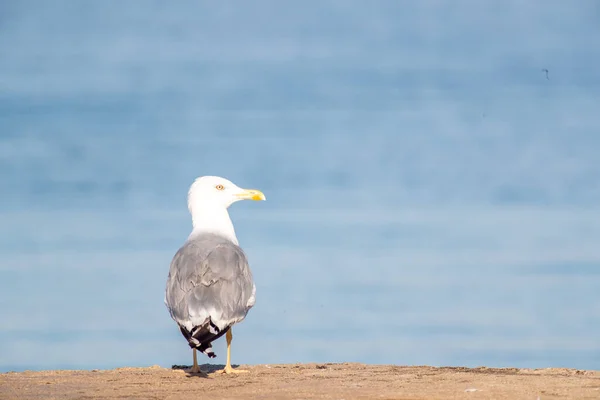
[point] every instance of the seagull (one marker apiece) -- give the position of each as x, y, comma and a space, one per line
210, 286
546, 71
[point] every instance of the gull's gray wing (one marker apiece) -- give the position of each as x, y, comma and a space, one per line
209, 288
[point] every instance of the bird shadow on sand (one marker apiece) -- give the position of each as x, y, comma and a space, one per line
205, 369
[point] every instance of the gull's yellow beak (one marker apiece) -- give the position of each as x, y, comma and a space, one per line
251, 194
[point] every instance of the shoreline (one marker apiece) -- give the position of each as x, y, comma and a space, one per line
304, 381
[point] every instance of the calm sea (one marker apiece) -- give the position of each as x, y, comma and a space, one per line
432, 194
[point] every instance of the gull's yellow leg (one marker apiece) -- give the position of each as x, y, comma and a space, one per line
228, 369
195, 368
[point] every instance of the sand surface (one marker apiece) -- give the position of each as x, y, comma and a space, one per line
304, 381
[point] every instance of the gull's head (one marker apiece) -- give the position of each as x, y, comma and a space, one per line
210, 192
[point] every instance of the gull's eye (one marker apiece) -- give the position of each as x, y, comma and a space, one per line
220, 187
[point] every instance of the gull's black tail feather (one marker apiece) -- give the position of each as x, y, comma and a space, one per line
202, 336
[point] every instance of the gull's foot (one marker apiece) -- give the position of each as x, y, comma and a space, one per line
229, 370
198, 371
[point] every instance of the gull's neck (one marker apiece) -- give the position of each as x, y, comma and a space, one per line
215, 219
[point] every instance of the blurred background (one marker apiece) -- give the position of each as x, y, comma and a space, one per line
431, 170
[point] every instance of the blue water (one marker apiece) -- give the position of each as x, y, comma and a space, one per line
433, 197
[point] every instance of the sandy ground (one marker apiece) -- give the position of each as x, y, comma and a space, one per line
304, 381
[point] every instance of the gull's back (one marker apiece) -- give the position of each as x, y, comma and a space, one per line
209, 288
